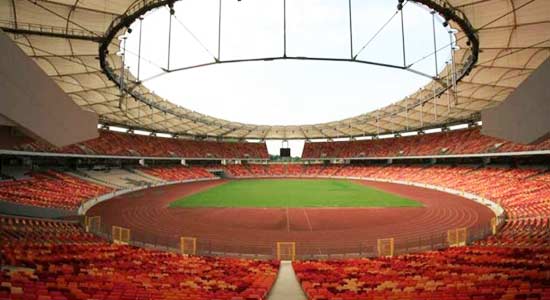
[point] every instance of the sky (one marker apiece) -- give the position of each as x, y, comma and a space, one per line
284, 92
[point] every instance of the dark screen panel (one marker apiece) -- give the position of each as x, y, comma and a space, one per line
285, 152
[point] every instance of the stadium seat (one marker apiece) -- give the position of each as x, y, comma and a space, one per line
177, 173
124, 144
50, 189
465, 141
46, 259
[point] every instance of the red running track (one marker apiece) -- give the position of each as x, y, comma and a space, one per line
316, 231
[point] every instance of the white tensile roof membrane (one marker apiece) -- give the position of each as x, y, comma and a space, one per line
514, 39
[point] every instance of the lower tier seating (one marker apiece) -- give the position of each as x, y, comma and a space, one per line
53, 260
177, 173
237, 170
514, 264
56, 260
50, 189
264, 170
463, 273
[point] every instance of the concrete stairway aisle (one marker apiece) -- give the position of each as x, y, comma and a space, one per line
146, 176
286, 286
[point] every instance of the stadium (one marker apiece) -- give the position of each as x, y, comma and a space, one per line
274, 149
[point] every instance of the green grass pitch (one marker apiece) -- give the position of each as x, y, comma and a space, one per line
293, 193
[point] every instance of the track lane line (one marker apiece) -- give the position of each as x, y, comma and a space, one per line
307, 219
287, 220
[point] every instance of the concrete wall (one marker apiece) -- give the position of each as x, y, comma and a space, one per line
36, 104
6, 122
8, 208
9, 139
524, 117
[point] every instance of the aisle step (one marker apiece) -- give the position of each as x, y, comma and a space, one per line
286, 286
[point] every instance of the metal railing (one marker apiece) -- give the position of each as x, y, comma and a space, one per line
266, 249
49, 30
460, 69
425, 241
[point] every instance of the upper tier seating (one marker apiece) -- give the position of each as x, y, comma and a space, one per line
50, 189
56, 260
177, 173
467, 141
123, 144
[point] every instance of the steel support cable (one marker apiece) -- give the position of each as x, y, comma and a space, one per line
350, 31
195, 38
139, 49
435, 43
477, 29
91, 32
378, 32
219, 30
403, 39
284, 28
169, 40
488, 60
476, 85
